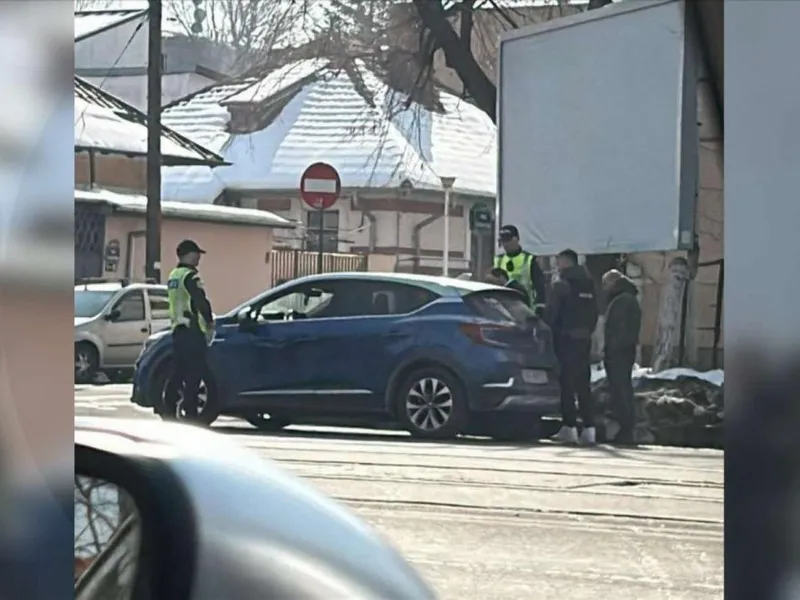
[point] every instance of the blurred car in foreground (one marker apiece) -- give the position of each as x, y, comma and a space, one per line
172, 512
439, 356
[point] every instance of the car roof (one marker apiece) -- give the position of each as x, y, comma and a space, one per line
113, 286
438, 284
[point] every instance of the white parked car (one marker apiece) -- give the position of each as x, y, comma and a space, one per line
112, 321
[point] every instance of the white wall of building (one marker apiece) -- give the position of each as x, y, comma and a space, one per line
119, 47
393, 230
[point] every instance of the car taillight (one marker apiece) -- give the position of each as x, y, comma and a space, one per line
485, 334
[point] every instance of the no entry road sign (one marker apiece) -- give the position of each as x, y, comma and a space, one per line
320, 186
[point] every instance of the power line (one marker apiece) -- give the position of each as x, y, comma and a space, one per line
116, 62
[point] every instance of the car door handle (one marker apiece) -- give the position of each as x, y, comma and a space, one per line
145, 330
397, 333
304, 339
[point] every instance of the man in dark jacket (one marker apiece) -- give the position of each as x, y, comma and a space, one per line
623, 320
571, 312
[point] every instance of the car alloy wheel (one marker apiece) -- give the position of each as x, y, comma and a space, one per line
429, 404
82, 364
85, 363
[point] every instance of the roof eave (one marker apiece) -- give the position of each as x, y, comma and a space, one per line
167, 160
126, 210
132, 17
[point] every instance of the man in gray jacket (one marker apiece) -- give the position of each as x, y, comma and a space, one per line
623, 319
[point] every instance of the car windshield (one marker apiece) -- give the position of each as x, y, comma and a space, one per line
89, 303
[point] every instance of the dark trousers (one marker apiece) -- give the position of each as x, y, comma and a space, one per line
619, 368
574, 356
189, 356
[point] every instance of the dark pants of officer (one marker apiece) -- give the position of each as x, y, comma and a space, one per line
619, 368
574, 356
189, 355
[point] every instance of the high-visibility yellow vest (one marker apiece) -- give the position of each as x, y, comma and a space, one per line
180, 302
518, 268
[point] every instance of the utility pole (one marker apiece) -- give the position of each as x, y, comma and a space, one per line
154, 68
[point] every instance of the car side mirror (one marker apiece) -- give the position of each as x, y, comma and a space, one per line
113, 315
245, 319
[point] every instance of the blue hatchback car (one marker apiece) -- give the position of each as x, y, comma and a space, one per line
439, 356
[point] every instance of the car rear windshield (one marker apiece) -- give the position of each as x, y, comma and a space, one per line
499, 305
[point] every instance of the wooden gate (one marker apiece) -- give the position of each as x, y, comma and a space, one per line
289, 264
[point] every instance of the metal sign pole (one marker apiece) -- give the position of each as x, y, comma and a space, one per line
479, 269
321, 235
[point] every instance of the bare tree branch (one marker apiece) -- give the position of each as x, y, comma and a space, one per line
458, 55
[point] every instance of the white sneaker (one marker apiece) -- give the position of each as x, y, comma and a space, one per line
566, 435
588, 436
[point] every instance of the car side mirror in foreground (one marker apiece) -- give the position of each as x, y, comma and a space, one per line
113, 315
189, 514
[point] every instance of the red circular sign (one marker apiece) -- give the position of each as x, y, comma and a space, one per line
320, 186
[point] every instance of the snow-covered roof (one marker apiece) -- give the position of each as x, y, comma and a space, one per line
92, 22
134, 204
348, 118
105, 123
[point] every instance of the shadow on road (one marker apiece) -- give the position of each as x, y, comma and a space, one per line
361, 435
389, 435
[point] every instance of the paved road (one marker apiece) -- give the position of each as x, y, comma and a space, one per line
501, 522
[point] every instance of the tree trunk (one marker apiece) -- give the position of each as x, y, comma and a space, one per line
669, 314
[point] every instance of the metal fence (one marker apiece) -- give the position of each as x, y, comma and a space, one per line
290, 264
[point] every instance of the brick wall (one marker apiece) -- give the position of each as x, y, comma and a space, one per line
112, 172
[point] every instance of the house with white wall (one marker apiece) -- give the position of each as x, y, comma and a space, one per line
390, 153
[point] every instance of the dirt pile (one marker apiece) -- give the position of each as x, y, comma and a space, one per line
685, 411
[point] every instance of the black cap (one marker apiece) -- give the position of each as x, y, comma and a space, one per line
508, 231
187, 246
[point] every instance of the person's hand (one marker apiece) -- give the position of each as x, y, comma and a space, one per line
210, 335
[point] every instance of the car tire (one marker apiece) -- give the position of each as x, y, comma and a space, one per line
267, 422
207, 414
431, 404
87, 356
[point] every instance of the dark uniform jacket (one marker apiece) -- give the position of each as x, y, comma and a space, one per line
623, 318
571, 309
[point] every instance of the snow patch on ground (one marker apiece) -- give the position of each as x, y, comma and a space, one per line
715, 377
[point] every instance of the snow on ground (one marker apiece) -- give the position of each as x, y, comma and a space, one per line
715, 377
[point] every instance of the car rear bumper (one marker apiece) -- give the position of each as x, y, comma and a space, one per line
514, 396
542, 404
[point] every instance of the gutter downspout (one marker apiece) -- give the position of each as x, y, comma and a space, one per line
92, 171
132, 235
373, 230
415, 238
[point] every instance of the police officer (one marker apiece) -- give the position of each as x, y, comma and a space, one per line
520, 266
571, 312
192, 329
